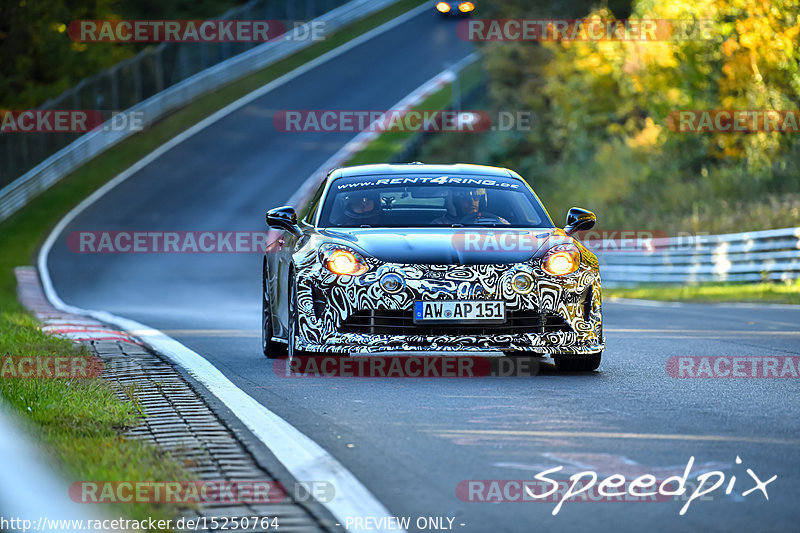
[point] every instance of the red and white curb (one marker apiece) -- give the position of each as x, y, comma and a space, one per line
75, 327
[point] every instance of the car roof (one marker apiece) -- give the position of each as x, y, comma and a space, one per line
420, 168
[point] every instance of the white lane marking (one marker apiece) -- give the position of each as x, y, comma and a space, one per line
254, 333
301, 456
446, 433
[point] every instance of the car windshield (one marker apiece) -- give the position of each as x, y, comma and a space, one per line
431, 201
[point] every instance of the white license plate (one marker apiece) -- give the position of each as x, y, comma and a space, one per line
458, 310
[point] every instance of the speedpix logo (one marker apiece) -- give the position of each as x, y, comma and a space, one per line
584, 487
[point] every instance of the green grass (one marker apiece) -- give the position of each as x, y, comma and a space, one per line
783, 293
81, 421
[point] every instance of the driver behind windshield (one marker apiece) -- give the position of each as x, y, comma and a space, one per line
360, 209
468, 206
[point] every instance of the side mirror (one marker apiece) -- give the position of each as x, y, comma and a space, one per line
284, 218
579, 220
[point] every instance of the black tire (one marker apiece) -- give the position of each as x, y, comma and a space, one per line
271, 348
577, 363
293, 310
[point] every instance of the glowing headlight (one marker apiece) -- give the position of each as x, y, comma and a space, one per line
343, 261
392, 282
561, 260
522, 283
443, 7
466, 7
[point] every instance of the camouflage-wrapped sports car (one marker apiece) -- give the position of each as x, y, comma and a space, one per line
430, 257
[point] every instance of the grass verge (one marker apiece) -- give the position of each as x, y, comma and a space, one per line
80, 421
781, 293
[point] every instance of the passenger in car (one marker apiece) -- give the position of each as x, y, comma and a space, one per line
467, 206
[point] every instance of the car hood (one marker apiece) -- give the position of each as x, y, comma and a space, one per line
445, 246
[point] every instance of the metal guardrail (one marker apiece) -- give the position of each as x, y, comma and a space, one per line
18, 193
149, 72
751, 256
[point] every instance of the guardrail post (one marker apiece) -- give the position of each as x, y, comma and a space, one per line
137, 81
455, 91
115, 88
158, 59
9, 165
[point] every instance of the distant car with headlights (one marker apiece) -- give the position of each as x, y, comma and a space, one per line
430, 257
455, 8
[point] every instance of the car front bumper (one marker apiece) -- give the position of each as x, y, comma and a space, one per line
347, 314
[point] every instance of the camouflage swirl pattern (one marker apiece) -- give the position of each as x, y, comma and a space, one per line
320, 331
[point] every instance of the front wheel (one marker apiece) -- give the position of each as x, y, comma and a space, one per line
577, 363
271, 348
293, 318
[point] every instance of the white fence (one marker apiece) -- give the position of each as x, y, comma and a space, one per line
751, 256
17, 194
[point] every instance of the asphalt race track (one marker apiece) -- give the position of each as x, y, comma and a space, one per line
412, 441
